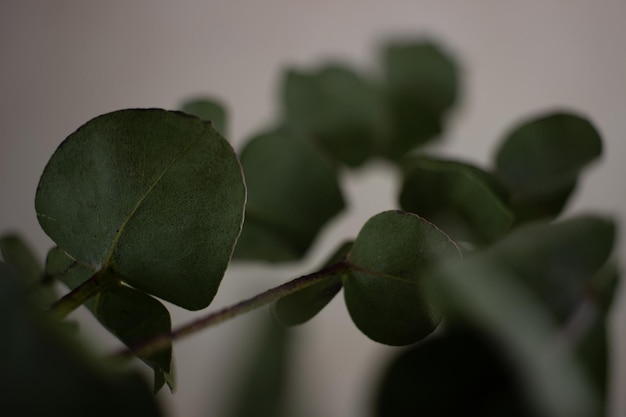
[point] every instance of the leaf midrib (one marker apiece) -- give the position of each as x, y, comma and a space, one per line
108, 260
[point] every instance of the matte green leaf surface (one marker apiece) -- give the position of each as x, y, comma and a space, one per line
459, 198
540, 160
292, 193
303, 305
391, 254
336, 108
43, 376
130, 315
156, 196
209, 110
456, 373
422, 85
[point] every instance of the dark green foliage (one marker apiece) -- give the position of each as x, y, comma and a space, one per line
148, 202
388, 260
130, 315
539, 161
457, 373
465, 201
209, 110
156, 196
336, 108
293, 192
303, 305
46, 374
421, 86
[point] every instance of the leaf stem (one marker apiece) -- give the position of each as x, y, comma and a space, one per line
98, 282
162, 340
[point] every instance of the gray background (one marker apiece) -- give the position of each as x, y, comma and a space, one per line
64, 62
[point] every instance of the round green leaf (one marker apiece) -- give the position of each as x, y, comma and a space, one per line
293, 192
209, 110
336, 108
540, 160
303, 305
461, 199
422, 84
390, 255
156, 196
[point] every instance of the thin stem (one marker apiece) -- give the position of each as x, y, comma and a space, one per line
77, 297
162, 340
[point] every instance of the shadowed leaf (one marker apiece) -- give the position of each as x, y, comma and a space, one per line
208, 110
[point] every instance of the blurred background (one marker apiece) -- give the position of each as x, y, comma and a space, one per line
66, 61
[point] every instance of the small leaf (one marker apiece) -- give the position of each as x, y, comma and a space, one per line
43, 374
422, 85
292, 193
540, 160
155, 196
457, 373
335, 107
390, 255
461, 199
131, 315
209, 110
303, 305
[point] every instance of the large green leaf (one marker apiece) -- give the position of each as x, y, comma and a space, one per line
292, 193
210, 110
513, 290
21, 258
43, 374
422, 85
540, 160
131, 315
463, 200
301, 306
389, 257
458, 372
336, 108
155, 196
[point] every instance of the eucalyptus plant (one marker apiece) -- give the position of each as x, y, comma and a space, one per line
501, 302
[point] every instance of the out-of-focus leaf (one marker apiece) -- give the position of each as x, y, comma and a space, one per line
42, 374
20, 257
264, 380
422, 85
389, 257
303, 305
512, 292
131, 315
557, 262
292, 193
336, 108
209, 110
456, 373
155, 196
461, 199
540, 160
